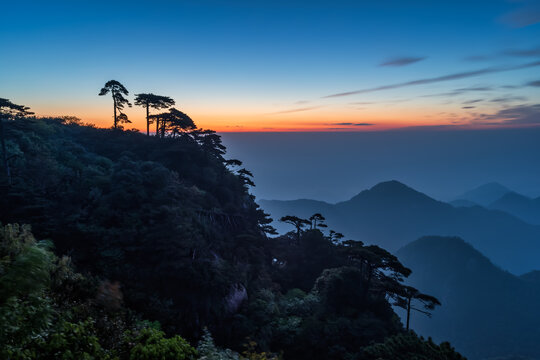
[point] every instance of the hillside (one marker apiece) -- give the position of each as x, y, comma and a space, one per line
144, 211
392, 214
486, 312
164, 228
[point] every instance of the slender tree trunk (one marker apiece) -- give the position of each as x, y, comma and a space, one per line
157, 126
4, 151
408, 312
114, 104
147, 120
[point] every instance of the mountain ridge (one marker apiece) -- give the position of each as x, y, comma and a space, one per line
499, 309
392, 214
484, 194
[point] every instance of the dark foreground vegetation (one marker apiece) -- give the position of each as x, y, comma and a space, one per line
159, 245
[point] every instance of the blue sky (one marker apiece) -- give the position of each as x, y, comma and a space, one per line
256, 65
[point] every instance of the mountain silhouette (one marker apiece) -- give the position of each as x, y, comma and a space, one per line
484, 194
521, 206
391, 215
532, 276
486, 312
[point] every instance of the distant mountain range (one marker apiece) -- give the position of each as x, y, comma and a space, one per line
485, 195
392, 215
519, 205
486, 313
498, 197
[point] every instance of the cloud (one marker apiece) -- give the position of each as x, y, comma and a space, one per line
461, 91
296, 110
473, 101
534, 83
523, 52
449, 77
352, 124
519, 115
468, 107
508, 99
402, 61
473, 88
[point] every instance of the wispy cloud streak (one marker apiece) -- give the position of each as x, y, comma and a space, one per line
296, 110
352, 124
402, 61
455, 76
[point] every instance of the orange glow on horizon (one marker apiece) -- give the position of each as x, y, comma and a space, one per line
322, 119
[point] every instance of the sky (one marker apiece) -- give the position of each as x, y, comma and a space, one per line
335, 166
280, 66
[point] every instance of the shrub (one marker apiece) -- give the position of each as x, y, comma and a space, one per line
151, 344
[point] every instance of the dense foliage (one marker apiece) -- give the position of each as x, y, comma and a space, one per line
47, 311
169, 227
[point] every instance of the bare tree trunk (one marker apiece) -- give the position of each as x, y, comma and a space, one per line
4, 151
157, 126
147, 120
114, 102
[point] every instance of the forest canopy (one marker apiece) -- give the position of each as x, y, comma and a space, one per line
166, 227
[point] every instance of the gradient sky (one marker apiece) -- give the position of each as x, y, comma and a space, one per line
280, 65
335, 166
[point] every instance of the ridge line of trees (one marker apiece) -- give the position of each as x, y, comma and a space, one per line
381, 271
172, 122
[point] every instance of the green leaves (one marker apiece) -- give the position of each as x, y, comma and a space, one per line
25, 264
151, 344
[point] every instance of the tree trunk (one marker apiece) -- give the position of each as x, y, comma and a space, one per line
4, 151
114, 104
157, 126
147, 120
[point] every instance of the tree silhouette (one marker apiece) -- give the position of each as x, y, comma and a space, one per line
232, 162
245, 176
9, 111
336, 237
317, 220
179, 122
210, 142
173, 122
157, 102
404, 299
376, 264
118, 91
122, 119
297, 222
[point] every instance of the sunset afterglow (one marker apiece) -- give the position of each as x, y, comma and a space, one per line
284, 67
